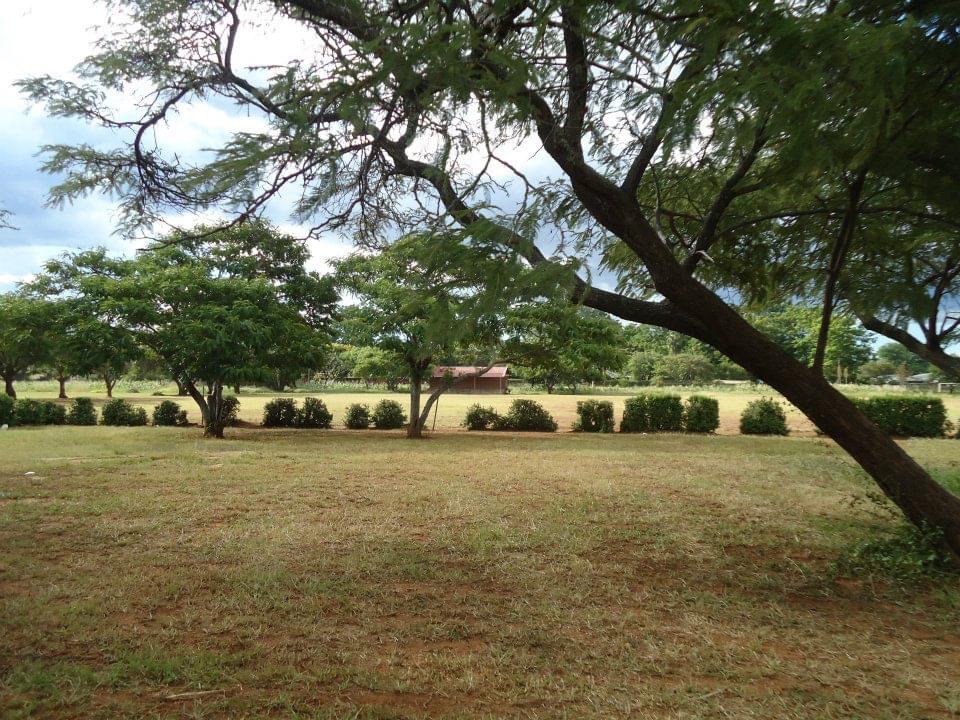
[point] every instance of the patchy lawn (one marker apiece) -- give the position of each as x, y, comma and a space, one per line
148, 573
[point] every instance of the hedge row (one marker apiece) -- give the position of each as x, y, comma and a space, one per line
667, 413
283, 412
523, 416
906, 416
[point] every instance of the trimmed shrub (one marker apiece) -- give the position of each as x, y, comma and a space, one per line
763, 417
82, 412
701, 414
388, 415
121, 413
314, 414
906, 416
280, 412
231, 409
357, 417
8, 414
39, 412
168, 413
480, 418
594, 416
652, 413
526, 416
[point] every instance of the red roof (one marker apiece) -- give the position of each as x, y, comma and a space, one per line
460, 370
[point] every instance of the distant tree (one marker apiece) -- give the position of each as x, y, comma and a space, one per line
558, 344
897, 355
374, 364
217, 308
426, 295
875, 370
683, 369
24, 337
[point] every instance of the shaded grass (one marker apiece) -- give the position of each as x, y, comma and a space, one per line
336, 574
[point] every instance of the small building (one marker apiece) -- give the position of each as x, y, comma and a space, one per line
492, 382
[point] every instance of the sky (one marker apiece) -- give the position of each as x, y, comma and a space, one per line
50, 38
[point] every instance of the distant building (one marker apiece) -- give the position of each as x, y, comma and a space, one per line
493, 381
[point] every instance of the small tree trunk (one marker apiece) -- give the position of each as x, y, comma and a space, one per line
63, 387
191, 390
109, 382
214, 425
236, 389
8, 385
415, 428
181, 388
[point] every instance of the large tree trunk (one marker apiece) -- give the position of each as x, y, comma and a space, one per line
63, 387
181, 388
949, 364
900, 477
8, 385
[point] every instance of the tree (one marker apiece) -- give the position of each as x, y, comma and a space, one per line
24, 340
218, 307
79, 343
682, 369
876, 370
424, 296
373, 364
561, 344
897, 355
695, 117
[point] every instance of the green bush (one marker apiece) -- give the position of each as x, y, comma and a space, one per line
82, 412
480, 418
39, 412
652, 413
701, 414
388, 415
763, 417
8, 415
314, 414
906, 416
231, 409
280, 412
526, 416
168, 413
594, 416
357, 417
120, 412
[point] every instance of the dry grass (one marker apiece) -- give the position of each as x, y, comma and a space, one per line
342, 575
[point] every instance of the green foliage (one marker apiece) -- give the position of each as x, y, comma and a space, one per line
24, 339
357, 417
874, 370
526, 416
230, 409
280, 412
908, 555
82, 412
906, 416
683, 369
313, 414
388, 415
120, 412
480, 418
897, 356
8, 414
701, 414
763, 417
168, 413
652, 412
39, 412
557, 344
594, 416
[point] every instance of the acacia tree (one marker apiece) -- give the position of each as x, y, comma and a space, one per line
206, 310
424, 296
425, 100
24, 341
562, 344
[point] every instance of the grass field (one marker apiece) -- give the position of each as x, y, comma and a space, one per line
451, 408
146, 573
